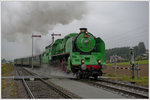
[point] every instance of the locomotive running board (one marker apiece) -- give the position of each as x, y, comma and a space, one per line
60, 54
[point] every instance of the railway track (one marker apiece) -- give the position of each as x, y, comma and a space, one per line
43, 89
121, 88
28, 90
124, 89
124, 84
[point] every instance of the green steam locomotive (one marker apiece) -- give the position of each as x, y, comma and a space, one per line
80, 53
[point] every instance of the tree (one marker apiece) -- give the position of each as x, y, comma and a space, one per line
136, 50
3, 60
141, 48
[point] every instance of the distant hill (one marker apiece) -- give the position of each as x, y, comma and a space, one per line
125, 51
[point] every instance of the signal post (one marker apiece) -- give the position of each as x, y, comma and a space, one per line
132, 61
32, 46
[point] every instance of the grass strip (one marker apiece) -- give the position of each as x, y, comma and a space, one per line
128, 63
142, 81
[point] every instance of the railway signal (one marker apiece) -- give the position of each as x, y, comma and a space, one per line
53, 36
36, 35
32, 46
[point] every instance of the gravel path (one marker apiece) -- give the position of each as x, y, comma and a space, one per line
84, 90
41, 90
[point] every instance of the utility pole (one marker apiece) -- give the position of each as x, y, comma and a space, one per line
53, 36
132, 61
32, 46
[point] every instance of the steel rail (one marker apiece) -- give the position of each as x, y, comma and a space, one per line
53, 87
125, 85
116, 89
28, 89
26, 86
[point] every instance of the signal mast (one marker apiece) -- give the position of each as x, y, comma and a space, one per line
53, 36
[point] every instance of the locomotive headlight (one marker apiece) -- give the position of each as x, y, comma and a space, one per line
99, 61
82, 61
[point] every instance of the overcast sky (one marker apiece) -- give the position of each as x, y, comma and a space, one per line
117, 23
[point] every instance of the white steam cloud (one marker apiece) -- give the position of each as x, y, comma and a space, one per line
28, 17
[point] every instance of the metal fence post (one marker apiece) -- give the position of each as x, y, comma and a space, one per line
138, 71
115, 61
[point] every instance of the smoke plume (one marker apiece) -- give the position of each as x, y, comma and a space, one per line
20, 18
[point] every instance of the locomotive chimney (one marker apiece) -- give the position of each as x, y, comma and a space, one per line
83, 30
